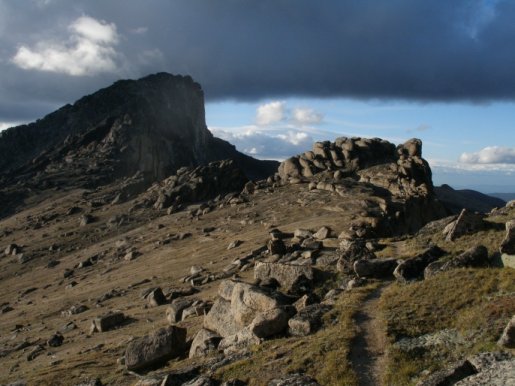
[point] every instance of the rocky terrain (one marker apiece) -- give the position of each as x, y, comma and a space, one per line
192, 264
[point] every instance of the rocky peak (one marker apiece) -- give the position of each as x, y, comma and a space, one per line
152, 126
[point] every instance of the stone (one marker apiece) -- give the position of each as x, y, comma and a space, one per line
269, 323
312, 244
304, 301
176, 308
276, 247
11, 249
474, 257
467, 222
74, 310
507, 339
323, 233
161, 346
156, 297
508, 243
204, 342
198, 308
220, 319
85, 219
377, 268
239, 342
493, 369
307, 320
55, 340
234, 244
302, 233
294, 380
291, 278
413, 268
107, 322
449, 376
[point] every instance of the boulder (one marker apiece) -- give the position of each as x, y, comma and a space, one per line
269, 323
107, 322
11, 249
292, 278
508, 244
244, 314
276, 247
377, 268
323, 233
156, 297
204, 342
220, 319
166, 343
308, 320
474, 257
450, 375
467, 222
55, 341
413, 268
176, 308
239, 342
507, 339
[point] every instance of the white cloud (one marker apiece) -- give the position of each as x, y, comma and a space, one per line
490, 155
139, 30
270, 113
265, 144
6, 125
89, 50
306, 116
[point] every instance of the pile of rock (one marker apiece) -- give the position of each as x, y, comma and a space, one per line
197, 184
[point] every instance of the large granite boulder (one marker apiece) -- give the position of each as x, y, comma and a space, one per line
246, 312
154, 349
292, 278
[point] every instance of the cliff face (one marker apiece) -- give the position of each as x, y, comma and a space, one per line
153, 125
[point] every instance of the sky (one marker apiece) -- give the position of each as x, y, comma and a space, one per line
280, 74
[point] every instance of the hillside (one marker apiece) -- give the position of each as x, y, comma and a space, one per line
457, 199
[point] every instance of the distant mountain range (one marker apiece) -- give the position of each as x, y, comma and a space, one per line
457, 199
503, 196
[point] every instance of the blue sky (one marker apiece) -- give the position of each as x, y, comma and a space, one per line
448, 130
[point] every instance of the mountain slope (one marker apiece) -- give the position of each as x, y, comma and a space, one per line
456, 200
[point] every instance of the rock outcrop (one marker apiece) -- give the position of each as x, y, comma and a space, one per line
399, 172
164, 344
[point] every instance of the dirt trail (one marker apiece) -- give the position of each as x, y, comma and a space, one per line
367, 352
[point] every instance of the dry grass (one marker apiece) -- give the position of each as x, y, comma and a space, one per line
476, 302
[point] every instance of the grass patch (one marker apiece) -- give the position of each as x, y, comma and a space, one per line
476, 302
323, 355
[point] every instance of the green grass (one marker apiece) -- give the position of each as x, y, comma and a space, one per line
476, 302
323, 355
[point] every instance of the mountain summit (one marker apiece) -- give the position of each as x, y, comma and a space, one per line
151, 126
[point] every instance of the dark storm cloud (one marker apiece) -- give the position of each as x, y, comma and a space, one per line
242, 49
